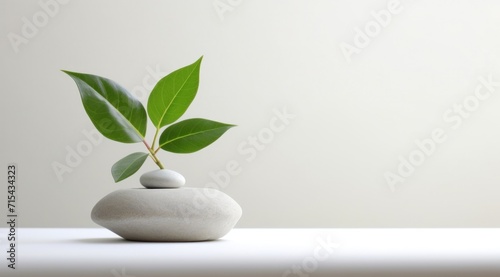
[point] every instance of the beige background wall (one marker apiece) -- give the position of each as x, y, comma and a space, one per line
329, 96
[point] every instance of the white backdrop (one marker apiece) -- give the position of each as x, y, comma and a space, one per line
365, 114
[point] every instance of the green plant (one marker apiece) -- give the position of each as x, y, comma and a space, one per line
121, 117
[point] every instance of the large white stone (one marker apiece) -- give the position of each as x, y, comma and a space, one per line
162, 178
184, 214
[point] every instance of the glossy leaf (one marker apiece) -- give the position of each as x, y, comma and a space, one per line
191, 135
127, 166
173, 94
112, 109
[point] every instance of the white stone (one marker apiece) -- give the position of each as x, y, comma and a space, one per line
184, 214
162, 178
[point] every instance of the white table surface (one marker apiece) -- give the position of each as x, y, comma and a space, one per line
260, 252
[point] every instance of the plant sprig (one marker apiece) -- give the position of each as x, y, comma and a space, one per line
119, 116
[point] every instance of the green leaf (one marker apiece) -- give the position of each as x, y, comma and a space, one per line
191, 135
127, 166
173, 94
112, 109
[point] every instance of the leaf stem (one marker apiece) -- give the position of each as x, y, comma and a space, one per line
153, 155
155, 137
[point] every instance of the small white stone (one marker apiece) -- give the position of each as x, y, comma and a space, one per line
184, 214
162, 178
